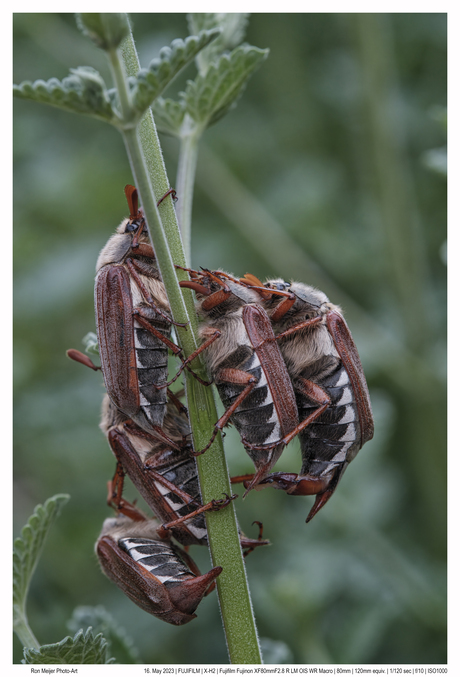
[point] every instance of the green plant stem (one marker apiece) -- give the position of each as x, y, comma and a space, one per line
186, 171
223, 535
153, 157
23, 631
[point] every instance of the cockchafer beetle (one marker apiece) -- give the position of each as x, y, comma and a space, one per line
331, 390
163, 469
159, 577
133, 322
247, 366
165, 475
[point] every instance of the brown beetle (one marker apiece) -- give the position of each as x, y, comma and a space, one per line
247, 367
166, 476
134, 323
329, 382
156, 575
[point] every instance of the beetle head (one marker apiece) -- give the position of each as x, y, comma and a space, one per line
309, 302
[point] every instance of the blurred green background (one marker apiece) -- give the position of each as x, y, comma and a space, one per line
331, 170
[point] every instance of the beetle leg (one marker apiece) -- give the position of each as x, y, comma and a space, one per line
192, 356
171, 192
133, 267
186, 362
177, 403
115, 486
215, 504
188, 500
193, 273
250, 544
115, 499
236, 377
134, 429
295, 485
238, 479
297, 327
144, 322
315, 393
306, 485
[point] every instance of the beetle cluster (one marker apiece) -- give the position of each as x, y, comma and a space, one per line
148, 431
284, 364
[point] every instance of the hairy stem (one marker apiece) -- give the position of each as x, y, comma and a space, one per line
24, 633
150, 176
188, 157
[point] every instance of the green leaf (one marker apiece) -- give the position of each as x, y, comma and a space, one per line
120, 645
233, 27
26, 552
168, 115
90, 343
105, 30
150, 82
83, 91
210, 96
82, 648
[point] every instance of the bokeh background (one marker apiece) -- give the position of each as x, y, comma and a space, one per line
331, 170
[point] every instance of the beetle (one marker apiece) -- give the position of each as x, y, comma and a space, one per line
165, 475
155, 574
247, 367
134, 323
331, 390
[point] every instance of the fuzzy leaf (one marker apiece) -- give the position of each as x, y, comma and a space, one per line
90, 343
83, 91
233, 28
27, 549
168, 115
120, 645
82, 648
150, 82
210, 96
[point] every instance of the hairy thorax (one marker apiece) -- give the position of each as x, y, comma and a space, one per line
305, 347
233, 335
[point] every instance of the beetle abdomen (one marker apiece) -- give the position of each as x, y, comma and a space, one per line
334, 437
152, 369
256, 417
184, 475
159, 558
